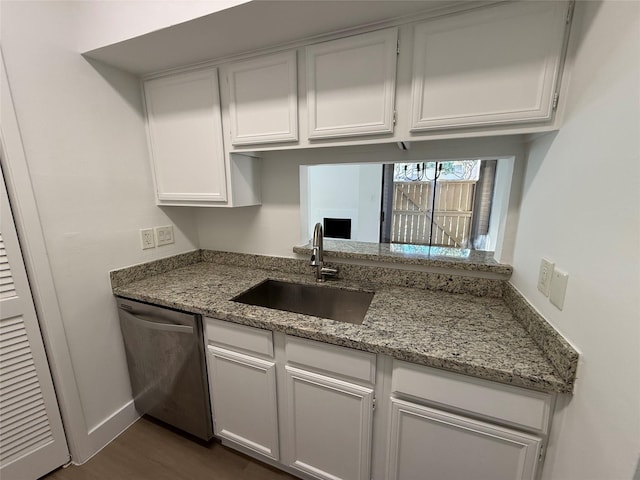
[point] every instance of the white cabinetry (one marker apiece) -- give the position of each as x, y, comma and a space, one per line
492, 66
329, 414
305, 406
243, 386
185, 140
454, 426
309, 408
329, 423
351, 85
450, 446
478, 70
263, 99
185, 131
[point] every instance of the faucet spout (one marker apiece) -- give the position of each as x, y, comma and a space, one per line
318, 253
317, 256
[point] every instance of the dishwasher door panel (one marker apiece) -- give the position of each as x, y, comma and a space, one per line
165, 355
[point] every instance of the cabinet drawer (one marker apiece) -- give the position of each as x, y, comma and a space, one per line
512, 405
354, 364
249, 339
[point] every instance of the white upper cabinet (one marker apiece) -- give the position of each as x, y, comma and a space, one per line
496, 65
263, 99
185, 132
351, 85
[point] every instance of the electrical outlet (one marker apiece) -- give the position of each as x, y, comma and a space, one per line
164, 235
146, 236
558, 287
544, 276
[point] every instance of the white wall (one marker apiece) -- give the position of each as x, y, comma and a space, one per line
370, 199
581, 209
102, 22
270, 229
85, 145
346, 191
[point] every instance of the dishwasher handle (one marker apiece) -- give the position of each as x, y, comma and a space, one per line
164, 327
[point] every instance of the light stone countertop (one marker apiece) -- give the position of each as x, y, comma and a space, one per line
423, 255
467, 334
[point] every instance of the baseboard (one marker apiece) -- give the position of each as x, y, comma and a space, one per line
108, 430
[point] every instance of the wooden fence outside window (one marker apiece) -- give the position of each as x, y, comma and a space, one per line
412, 216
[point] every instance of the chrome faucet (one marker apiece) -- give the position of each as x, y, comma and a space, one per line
317, 260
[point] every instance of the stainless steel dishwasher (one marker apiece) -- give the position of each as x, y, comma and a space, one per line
167, 365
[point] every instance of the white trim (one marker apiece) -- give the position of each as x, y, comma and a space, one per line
109, 429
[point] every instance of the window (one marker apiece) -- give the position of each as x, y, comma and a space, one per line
446, 204
460, 204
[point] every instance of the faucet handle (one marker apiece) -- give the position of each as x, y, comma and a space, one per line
329, 272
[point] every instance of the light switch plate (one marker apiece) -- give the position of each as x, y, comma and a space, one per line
558, 288
164, 235
544, 276
146, 238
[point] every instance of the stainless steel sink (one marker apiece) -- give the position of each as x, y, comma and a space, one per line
348, 306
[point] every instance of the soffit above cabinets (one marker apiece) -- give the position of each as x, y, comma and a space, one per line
254, 26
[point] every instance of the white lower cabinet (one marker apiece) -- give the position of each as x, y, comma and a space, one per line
308, 407
243, 393
242, 384
329, 425
430, 443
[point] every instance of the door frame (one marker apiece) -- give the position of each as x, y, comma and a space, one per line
27, 221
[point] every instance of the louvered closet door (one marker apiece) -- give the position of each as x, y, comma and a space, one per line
32, 441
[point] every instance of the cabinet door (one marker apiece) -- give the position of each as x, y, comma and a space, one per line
243, 396
495, 65
329, 424
185, 133
263, 105
451, 447
351, 85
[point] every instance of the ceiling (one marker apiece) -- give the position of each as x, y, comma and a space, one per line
256, 25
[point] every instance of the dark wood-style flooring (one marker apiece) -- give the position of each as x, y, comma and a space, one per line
148, 450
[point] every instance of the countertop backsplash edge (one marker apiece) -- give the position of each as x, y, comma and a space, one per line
140, 271
561, 354
383, 275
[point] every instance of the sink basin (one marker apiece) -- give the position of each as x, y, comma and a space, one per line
348, 306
